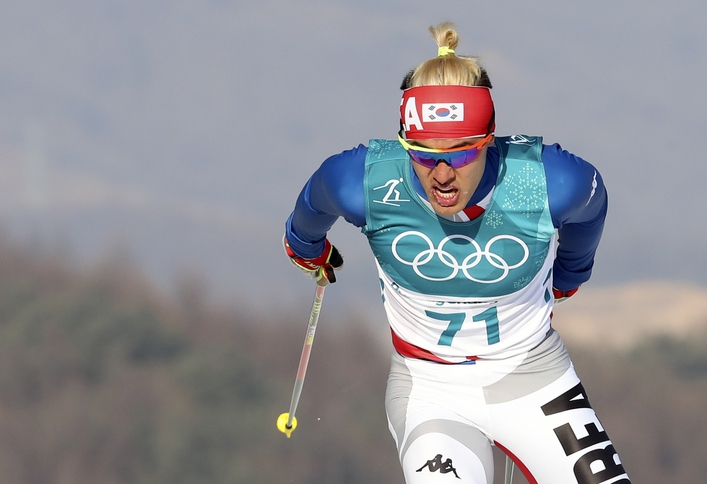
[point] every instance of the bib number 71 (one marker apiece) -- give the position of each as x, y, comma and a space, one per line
456, 321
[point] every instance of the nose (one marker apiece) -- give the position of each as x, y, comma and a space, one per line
443, 173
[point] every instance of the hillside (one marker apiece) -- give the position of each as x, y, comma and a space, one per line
620, 317
105, 380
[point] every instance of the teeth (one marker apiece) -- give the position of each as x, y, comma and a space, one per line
446, 193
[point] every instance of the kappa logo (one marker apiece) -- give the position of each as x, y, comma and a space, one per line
519, 139
392, 196
436, 464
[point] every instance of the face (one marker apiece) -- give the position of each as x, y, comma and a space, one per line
449, 189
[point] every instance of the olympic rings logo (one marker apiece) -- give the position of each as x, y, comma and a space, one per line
470, 261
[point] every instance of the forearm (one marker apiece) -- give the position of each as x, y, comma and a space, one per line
578, 244
306, 231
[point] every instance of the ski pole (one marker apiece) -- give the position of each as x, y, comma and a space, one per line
286, 422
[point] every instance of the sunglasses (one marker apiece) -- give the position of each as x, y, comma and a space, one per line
455, 157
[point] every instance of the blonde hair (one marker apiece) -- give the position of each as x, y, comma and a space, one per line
447, 68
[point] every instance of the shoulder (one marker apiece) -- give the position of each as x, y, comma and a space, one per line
519, 145
350, 165
346, 159
561, 162
572, 182
568, 171
343, 168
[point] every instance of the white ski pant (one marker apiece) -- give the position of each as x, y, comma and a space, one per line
446, 418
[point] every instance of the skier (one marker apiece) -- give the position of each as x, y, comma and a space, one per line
475, 238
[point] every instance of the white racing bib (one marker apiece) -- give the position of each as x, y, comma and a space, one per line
458, 329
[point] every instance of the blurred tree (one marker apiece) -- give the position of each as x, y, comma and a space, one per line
104, 380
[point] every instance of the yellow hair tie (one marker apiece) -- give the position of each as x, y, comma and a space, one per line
444, 50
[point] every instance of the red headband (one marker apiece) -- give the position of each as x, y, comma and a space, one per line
447, 112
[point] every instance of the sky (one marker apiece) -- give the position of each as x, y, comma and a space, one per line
179, 132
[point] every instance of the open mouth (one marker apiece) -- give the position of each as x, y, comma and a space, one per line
447, 196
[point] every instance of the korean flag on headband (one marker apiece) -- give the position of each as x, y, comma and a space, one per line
442, 112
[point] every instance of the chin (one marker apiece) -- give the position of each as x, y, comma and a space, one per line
451, 210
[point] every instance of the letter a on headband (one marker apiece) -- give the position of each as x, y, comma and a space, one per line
411, 117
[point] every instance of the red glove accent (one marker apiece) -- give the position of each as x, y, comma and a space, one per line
562, 295
318, 267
